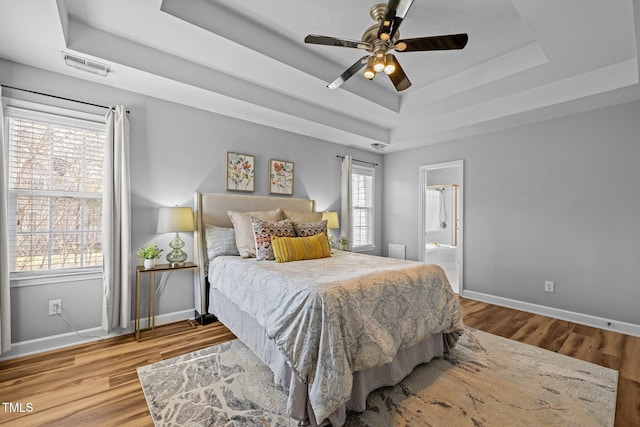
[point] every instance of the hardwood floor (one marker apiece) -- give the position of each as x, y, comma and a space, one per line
96, 384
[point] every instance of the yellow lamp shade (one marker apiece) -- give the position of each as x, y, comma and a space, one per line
175, 220
332, 219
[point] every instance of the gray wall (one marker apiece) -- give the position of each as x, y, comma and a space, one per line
556, 200
175, 151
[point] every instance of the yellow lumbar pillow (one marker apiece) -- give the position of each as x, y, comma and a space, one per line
287, 249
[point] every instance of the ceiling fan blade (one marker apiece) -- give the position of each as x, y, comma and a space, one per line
333, 41
348, 73
453, 41
398, 77
396, 12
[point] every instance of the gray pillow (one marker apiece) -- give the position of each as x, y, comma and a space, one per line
220, 241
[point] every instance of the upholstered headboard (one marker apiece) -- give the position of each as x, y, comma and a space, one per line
211, 208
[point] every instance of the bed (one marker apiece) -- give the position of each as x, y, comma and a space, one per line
331, 329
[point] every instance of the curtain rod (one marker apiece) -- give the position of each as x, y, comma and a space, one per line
443, 185
58, 97
361, 161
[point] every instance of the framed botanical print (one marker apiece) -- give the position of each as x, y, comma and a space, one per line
281, 177
240, 172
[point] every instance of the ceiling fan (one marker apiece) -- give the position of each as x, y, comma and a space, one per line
382, 38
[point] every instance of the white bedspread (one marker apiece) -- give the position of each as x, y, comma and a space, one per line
334, 316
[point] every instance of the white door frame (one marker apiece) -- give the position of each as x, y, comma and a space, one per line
421, 218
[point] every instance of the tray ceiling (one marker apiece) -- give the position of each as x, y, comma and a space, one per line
525, 61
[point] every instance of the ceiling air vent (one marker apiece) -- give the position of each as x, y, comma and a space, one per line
85, 64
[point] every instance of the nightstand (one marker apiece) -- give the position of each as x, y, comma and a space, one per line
151, 286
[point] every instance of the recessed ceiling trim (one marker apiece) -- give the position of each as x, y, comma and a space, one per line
511, 63
604, 80
101, 44
171, 90
260, 38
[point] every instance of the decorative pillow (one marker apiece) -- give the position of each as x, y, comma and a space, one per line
220, 241
245, 238
306, 229
287, 249
264, 231
311, 229
301, 216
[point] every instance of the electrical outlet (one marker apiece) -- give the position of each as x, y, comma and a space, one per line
55, 307
548, 286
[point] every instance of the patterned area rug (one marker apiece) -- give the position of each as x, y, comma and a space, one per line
485, 381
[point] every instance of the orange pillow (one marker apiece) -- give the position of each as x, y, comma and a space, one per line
287, 249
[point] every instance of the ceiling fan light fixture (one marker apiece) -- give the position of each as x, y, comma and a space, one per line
369, 72
400, 46
378, 62
389, 64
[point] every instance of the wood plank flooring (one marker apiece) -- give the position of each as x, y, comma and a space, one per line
96, 384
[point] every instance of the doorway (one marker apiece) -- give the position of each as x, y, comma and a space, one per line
441, 215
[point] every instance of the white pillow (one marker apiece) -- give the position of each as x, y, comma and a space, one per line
245, 238
301, 216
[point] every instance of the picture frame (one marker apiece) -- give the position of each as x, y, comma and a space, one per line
240, 175
281, 176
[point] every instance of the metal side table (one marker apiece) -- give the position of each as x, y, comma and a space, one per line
151, 308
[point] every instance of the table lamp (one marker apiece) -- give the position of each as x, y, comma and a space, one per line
175, 220
332, 224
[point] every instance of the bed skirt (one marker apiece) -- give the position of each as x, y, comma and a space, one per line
254, 336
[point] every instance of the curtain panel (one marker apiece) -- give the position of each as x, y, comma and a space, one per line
116, 223
345, 199
5, 286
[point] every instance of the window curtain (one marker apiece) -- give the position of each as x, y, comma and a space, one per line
5, 286
116, 223
345, 199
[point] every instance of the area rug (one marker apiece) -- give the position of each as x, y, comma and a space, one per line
485, 380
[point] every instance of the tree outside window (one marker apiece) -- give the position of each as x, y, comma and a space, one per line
55, 191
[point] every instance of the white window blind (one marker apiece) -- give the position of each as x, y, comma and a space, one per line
55, 191
362, 203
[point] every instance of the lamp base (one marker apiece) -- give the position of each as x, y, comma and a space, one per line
177, 256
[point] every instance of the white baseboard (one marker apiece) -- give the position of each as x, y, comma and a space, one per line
556, 313
54, 342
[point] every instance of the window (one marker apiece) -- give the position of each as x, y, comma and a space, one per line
362, 205
55, 190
